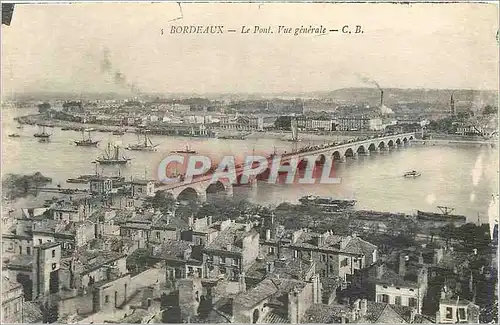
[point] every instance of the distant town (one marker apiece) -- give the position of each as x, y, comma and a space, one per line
126, 251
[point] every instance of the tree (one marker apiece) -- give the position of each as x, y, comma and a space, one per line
489, 110
139, 260
162, 201
448, 232
42, 108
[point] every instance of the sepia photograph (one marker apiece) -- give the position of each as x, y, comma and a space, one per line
244, 162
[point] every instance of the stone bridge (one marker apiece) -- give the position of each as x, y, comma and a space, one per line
200, 186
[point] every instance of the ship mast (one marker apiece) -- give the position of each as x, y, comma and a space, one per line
446, 210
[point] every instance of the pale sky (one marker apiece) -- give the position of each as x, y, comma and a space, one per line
60, 47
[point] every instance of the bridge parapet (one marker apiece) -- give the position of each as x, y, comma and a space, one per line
338, 152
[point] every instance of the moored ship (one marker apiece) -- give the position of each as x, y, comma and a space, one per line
43, 134
147, 145
187, 150
112, 156
327, 202
88, 142
412, 174
444, 217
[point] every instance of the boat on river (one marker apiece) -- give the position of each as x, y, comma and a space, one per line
326, 202
112, 156
43, 134
187, 150
412, 174
86, 142
14, 135
146, 145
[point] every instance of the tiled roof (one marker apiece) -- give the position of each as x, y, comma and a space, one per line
266, 289
31, 313
92, 260
359, 246
324, 314
8, 285
172, 249
230, 236
288, 268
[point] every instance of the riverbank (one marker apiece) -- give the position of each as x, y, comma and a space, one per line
443, 142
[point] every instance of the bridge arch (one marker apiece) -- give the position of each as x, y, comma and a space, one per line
411, 137
390, 143
188, 194
337, 155
398, 141
361, 149
405, 140
321, 159
349, 152
372, 147
381, 144
214, 190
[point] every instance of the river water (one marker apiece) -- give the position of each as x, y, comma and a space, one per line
460, 177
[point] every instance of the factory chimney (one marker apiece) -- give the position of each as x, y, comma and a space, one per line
381, 98
452, 105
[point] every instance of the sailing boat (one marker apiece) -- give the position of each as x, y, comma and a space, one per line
147, 145
86, 142
187, 150
43, 134
112, 156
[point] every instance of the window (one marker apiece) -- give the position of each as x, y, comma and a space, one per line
449, 313
222, 270
20, 249
54, 266
157, 235
53, 253
397, 300
330, 268
461, 314
412, 302
323, 273
28, 250
106, 299
344, 262
323, 257
383, 298
271, 250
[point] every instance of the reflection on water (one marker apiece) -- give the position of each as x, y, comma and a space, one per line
459, 177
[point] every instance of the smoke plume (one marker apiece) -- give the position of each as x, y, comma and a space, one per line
369, 81
118, 77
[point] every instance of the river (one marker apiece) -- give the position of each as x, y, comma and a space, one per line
460, 177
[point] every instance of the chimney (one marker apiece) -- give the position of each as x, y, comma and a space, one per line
242, 283
380, 270
364, 307
381, 98
268, 234
269, 267
402, 265
420, 258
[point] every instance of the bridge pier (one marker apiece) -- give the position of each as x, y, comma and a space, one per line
229, 191
253, 182
202, 197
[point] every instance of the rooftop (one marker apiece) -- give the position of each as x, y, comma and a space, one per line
325, 314
172, 249
268, 288
8, 285
230, 239
286, 268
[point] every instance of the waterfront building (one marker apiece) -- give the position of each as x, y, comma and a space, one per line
360, 124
